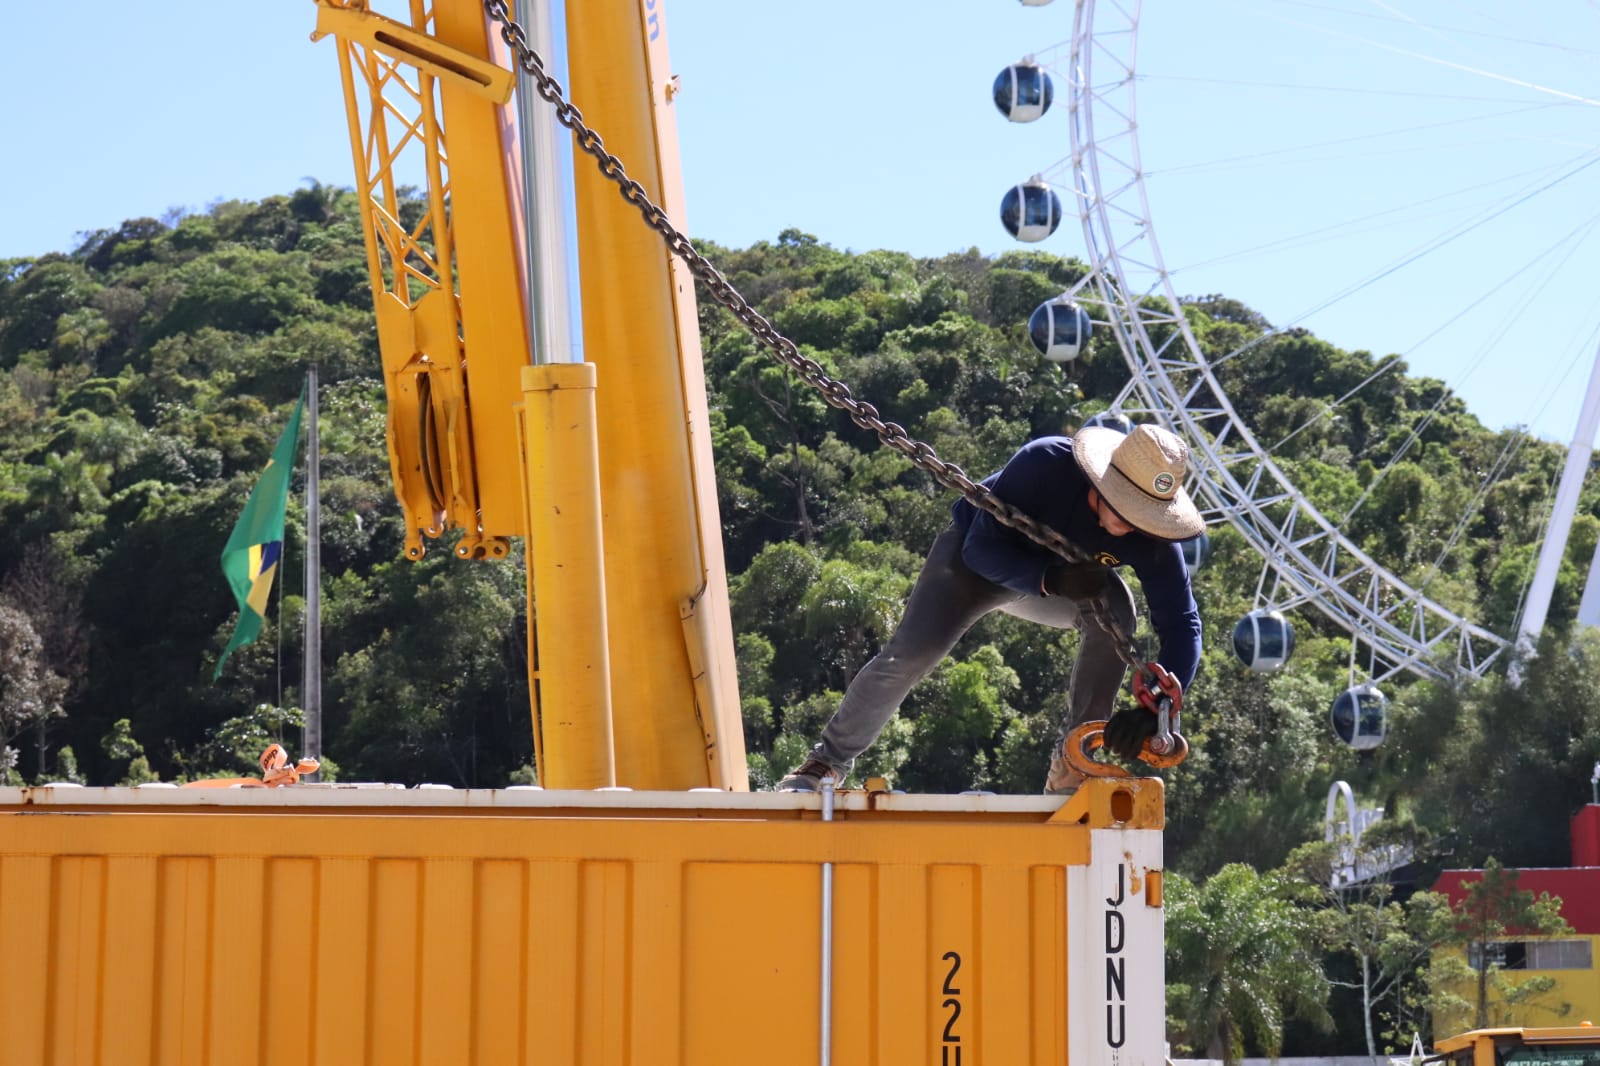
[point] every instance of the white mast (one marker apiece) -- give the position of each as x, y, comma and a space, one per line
1589, 606
1537, 606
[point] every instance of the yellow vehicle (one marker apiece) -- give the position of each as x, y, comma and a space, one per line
1567, 1045
642, 907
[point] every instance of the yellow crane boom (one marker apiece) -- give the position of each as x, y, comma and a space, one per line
630, 635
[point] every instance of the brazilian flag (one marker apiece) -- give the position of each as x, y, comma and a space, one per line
250, 560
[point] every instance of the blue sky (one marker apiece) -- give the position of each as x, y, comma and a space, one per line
1399, 176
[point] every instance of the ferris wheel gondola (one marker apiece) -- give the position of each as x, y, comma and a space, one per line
1112, 419
1030, 211
1196, 553
1060, 328
1023, 92
1360, 717
1264, 640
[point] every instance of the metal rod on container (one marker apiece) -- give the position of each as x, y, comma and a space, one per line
827, 932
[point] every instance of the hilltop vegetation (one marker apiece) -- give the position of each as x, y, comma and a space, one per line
145, 375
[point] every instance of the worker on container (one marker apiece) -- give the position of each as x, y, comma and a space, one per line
1118, 497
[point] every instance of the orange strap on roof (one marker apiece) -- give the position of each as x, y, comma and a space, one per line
275, 772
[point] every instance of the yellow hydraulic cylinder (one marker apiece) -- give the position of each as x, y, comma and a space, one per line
566, 577
665, 576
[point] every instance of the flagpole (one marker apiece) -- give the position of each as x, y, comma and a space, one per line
311, 692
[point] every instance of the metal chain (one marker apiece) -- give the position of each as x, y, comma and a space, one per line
835, 392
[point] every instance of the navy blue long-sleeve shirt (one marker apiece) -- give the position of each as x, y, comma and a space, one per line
1044, 480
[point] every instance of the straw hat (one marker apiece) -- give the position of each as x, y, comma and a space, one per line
1141, 476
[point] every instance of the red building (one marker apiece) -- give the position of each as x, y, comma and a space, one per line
1568, 959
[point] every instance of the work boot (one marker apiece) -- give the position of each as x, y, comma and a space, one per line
1062, 780
808, 776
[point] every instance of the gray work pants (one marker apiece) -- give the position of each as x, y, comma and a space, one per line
947, 600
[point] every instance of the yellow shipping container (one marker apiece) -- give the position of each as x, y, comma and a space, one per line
370, 924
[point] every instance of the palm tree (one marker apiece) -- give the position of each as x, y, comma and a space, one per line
66, 488
1238, 964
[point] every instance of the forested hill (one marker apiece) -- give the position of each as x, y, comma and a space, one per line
145, 376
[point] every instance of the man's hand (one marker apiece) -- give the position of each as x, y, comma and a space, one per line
1076, 581
1127, 731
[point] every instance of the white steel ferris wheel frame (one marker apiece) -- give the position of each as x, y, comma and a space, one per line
1309, 559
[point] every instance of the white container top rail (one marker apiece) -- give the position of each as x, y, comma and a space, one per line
335, 797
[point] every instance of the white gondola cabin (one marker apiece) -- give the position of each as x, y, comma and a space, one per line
1196, 551
1263, 640
1059, 328
1031, 211
1361, 717
1023, 92
1111, 420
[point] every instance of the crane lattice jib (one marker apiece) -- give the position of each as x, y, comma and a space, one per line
1236, 479
404, 83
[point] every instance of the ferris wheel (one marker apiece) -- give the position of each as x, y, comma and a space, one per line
1308, 560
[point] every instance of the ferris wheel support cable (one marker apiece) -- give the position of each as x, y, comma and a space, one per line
1579, 231
1373, 222
1513, 446
1434, 245
1307, 554
1235, 162
1560, 94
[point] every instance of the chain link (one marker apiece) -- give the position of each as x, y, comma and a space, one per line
835, 392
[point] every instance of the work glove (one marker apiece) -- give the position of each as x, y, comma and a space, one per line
1076, 581
1126, 732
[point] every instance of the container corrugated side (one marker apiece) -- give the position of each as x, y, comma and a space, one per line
368, 925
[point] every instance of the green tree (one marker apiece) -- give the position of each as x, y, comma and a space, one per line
1389, 940
235, 746
34, 297
125, 751
68, 491
957, 716
30, 693
848, 612
1491, 908
443, 701
1505, 764
239, 290
1239, 964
